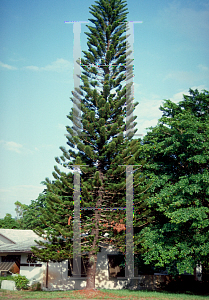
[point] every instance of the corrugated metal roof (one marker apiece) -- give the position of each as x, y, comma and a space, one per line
23, 240
6, 266
18, 235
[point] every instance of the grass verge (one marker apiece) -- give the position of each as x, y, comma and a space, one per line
109, 294
156, 295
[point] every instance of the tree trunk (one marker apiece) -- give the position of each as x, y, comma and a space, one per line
91, 272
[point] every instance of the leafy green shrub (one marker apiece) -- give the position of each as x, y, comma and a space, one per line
21, 282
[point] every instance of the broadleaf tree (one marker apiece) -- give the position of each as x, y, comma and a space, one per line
177, 161
31, 213
9, 223
101, 148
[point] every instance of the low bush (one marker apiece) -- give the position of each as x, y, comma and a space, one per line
21, 282
35, 286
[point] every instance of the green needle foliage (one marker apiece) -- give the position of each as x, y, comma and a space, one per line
101, 148
177, 155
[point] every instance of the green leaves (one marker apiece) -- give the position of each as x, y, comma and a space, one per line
177, 160
21, 282
9, 223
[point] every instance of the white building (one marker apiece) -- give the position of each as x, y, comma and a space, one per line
15, 246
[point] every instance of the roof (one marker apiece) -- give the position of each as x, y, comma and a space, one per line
22, 240
6, 266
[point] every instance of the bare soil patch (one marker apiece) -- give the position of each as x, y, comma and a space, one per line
96, 295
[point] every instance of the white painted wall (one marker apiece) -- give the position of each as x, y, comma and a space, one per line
58, 278
58, 274
34, 274
102, 272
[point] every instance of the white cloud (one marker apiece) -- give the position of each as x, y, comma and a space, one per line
182, 76
148, 108
143, 124
148, 112
12, 146
179, 96
186, 20
19, 148
8, 67
33, 68
61, 126
15, 147
49, 146
60, 65
21, 193
137, 88
203, 68
189, 78
40, 147
19, 59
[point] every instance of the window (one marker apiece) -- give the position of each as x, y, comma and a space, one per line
84, 265
115, 270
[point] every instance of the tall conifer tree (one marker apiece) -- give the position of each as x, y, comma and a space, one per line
101, 146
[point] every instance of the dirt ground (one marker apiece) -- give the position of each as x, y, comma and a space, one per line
96, 294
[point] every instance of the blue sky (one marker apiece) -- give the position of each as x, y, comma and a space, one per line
36, 69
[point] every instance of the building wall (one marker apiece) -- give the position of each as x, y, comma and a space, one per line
31, 271
58, 275
58, 278
102, 273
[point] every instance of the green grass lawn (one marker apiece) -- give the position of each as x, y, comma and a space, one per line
156, 295
143, 295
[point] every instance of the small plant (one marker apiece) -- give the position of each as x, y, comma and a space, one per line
35, 286
21, 282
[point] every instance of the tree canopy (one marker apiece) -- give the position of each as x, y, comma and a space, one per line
177, 160
103, 151
31, 214
9, 223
